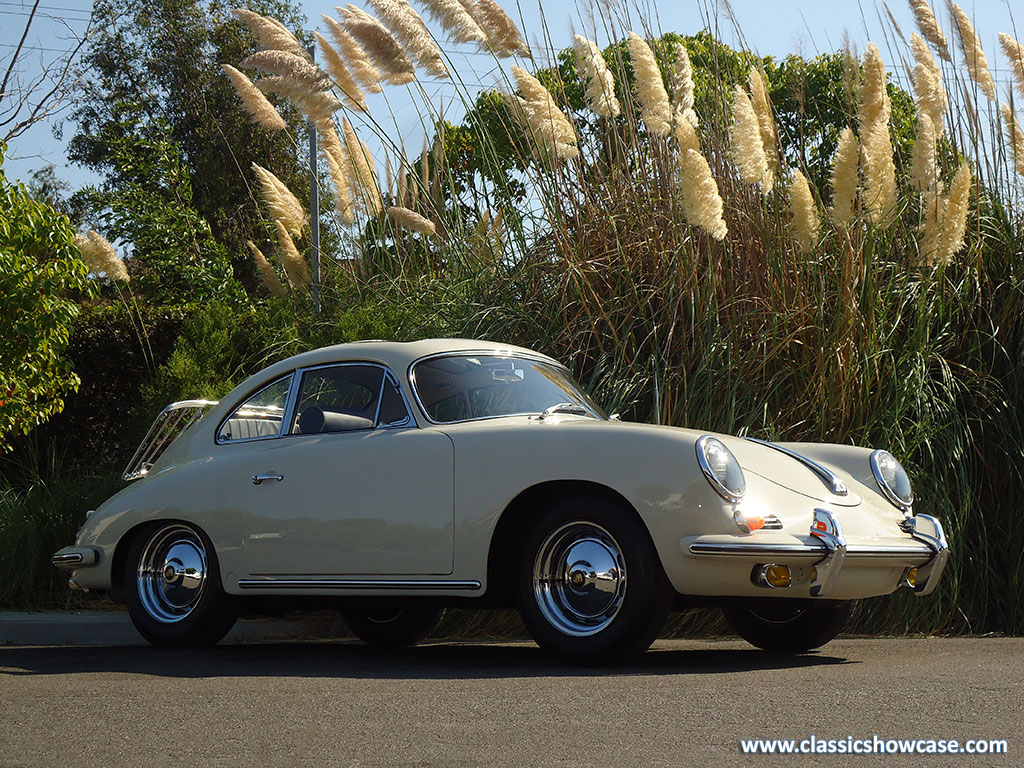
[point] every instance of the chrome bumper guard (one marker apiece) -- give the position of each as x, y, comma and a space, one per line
828, 532
71, 558
929, 530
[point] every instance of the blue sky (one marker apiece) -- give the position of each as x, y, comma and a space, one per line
770, 27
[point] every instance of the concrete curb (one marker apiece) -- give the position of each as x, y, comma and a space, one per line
64, 628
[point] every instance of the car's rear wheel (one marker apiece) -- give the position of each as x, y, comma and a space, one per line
392, 624
590, 584
786, 625
173, 589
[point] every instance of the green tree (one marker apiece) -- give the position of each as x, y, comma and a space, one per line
41, 275
152, 74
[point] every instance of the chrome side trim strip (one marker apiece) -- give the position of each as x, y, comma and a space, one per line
831, 480
355, 584
69, 559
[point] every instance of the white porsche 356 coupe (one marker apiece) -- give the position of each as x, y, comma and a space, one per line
395, 479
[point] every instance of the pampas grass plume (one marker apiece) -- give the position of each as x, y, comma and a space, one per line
844, 177
256, 104
290, 66
266, 272
655, 110
294, 265
745, 137
412, 221
456, 20
1014, 137
600, 91
682, 80
355, 57
765, 121
923, 169
407, 26
284, 207
99, 255
380, 45
1014, 52
503, 36
929, 26
926, 78
974, 57
954, 223
342, 77
874, 104
879, 174
686, 135
547, 122
702, 203
805, 213
271, 33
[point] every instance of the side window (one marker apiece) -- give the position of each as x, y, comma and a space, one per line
338, 399
393, 411
258, 417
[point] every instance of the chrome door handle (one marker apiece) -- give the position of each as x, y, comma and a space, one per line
257, 479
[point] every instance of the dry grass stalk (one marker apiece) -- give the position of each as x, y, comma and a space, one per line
266, 271
407, 26
923, 170
283, 206
341, 182
702, 203
346, 83
1014, 52
600, 87
879, 175
765, 122
355, 57
929, 26
874, 105
294, 265
271, 33
655, 110
503, 36
290, 66
380, 45
256, 104
974, 57
745, 138
99, 255
926, 78
682, 87
412, 221
1014, 137
845, 177
805, 213
456, 20
543, 117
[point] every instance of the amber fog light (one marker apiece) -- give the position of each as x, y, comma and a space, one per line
772, 575
910, 576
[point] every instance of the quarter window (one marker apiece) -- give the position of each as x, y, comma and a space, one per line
258, 417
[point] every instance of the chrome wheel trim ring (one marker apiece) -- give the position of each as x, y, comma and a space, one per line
579, 579
172, 573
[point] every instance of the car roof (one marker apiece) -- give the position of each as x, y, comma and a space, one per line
397, 355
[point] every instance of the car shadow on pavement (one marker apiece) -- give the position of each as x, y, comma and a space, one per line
438, 661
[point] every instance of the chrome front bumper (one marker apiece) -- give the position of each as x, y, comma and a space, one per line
926, 550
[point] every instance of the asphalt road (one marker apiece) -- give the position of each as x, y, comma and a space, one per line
686, 703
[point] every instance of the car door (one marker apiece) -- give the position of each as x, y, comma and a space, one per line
352, 487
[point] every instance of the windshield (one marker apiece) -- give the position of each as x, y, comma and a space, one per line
459, 387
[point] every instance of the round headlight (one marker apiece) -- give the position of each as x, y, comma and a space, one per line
721, 468
892, 479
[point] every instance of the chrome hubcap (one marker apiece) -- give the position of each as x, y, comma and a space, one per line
172, 573
579, 579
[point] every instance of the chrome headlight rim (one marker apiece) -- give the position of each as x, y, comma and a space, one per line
904, 505
732, 495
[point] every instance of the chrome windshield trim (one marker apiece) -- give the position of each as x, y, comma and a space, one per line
831, 480
356, 584
494, 352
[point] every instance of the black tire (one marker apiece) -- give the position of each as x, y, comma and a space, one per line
392, 624
788, 626
184, 607
590, 585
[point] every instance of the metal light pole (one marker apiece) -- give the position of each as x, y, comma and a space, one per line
314, 210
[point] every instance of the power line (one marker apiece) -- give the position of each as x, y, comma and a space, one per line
45, 7
44, 16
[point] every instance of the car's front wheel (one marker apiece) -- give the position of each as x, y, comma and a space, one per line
173, 589
392, 624
590, 584
788, 625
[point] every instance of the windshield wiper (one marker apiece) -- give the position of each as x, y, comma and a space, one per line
573, 408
